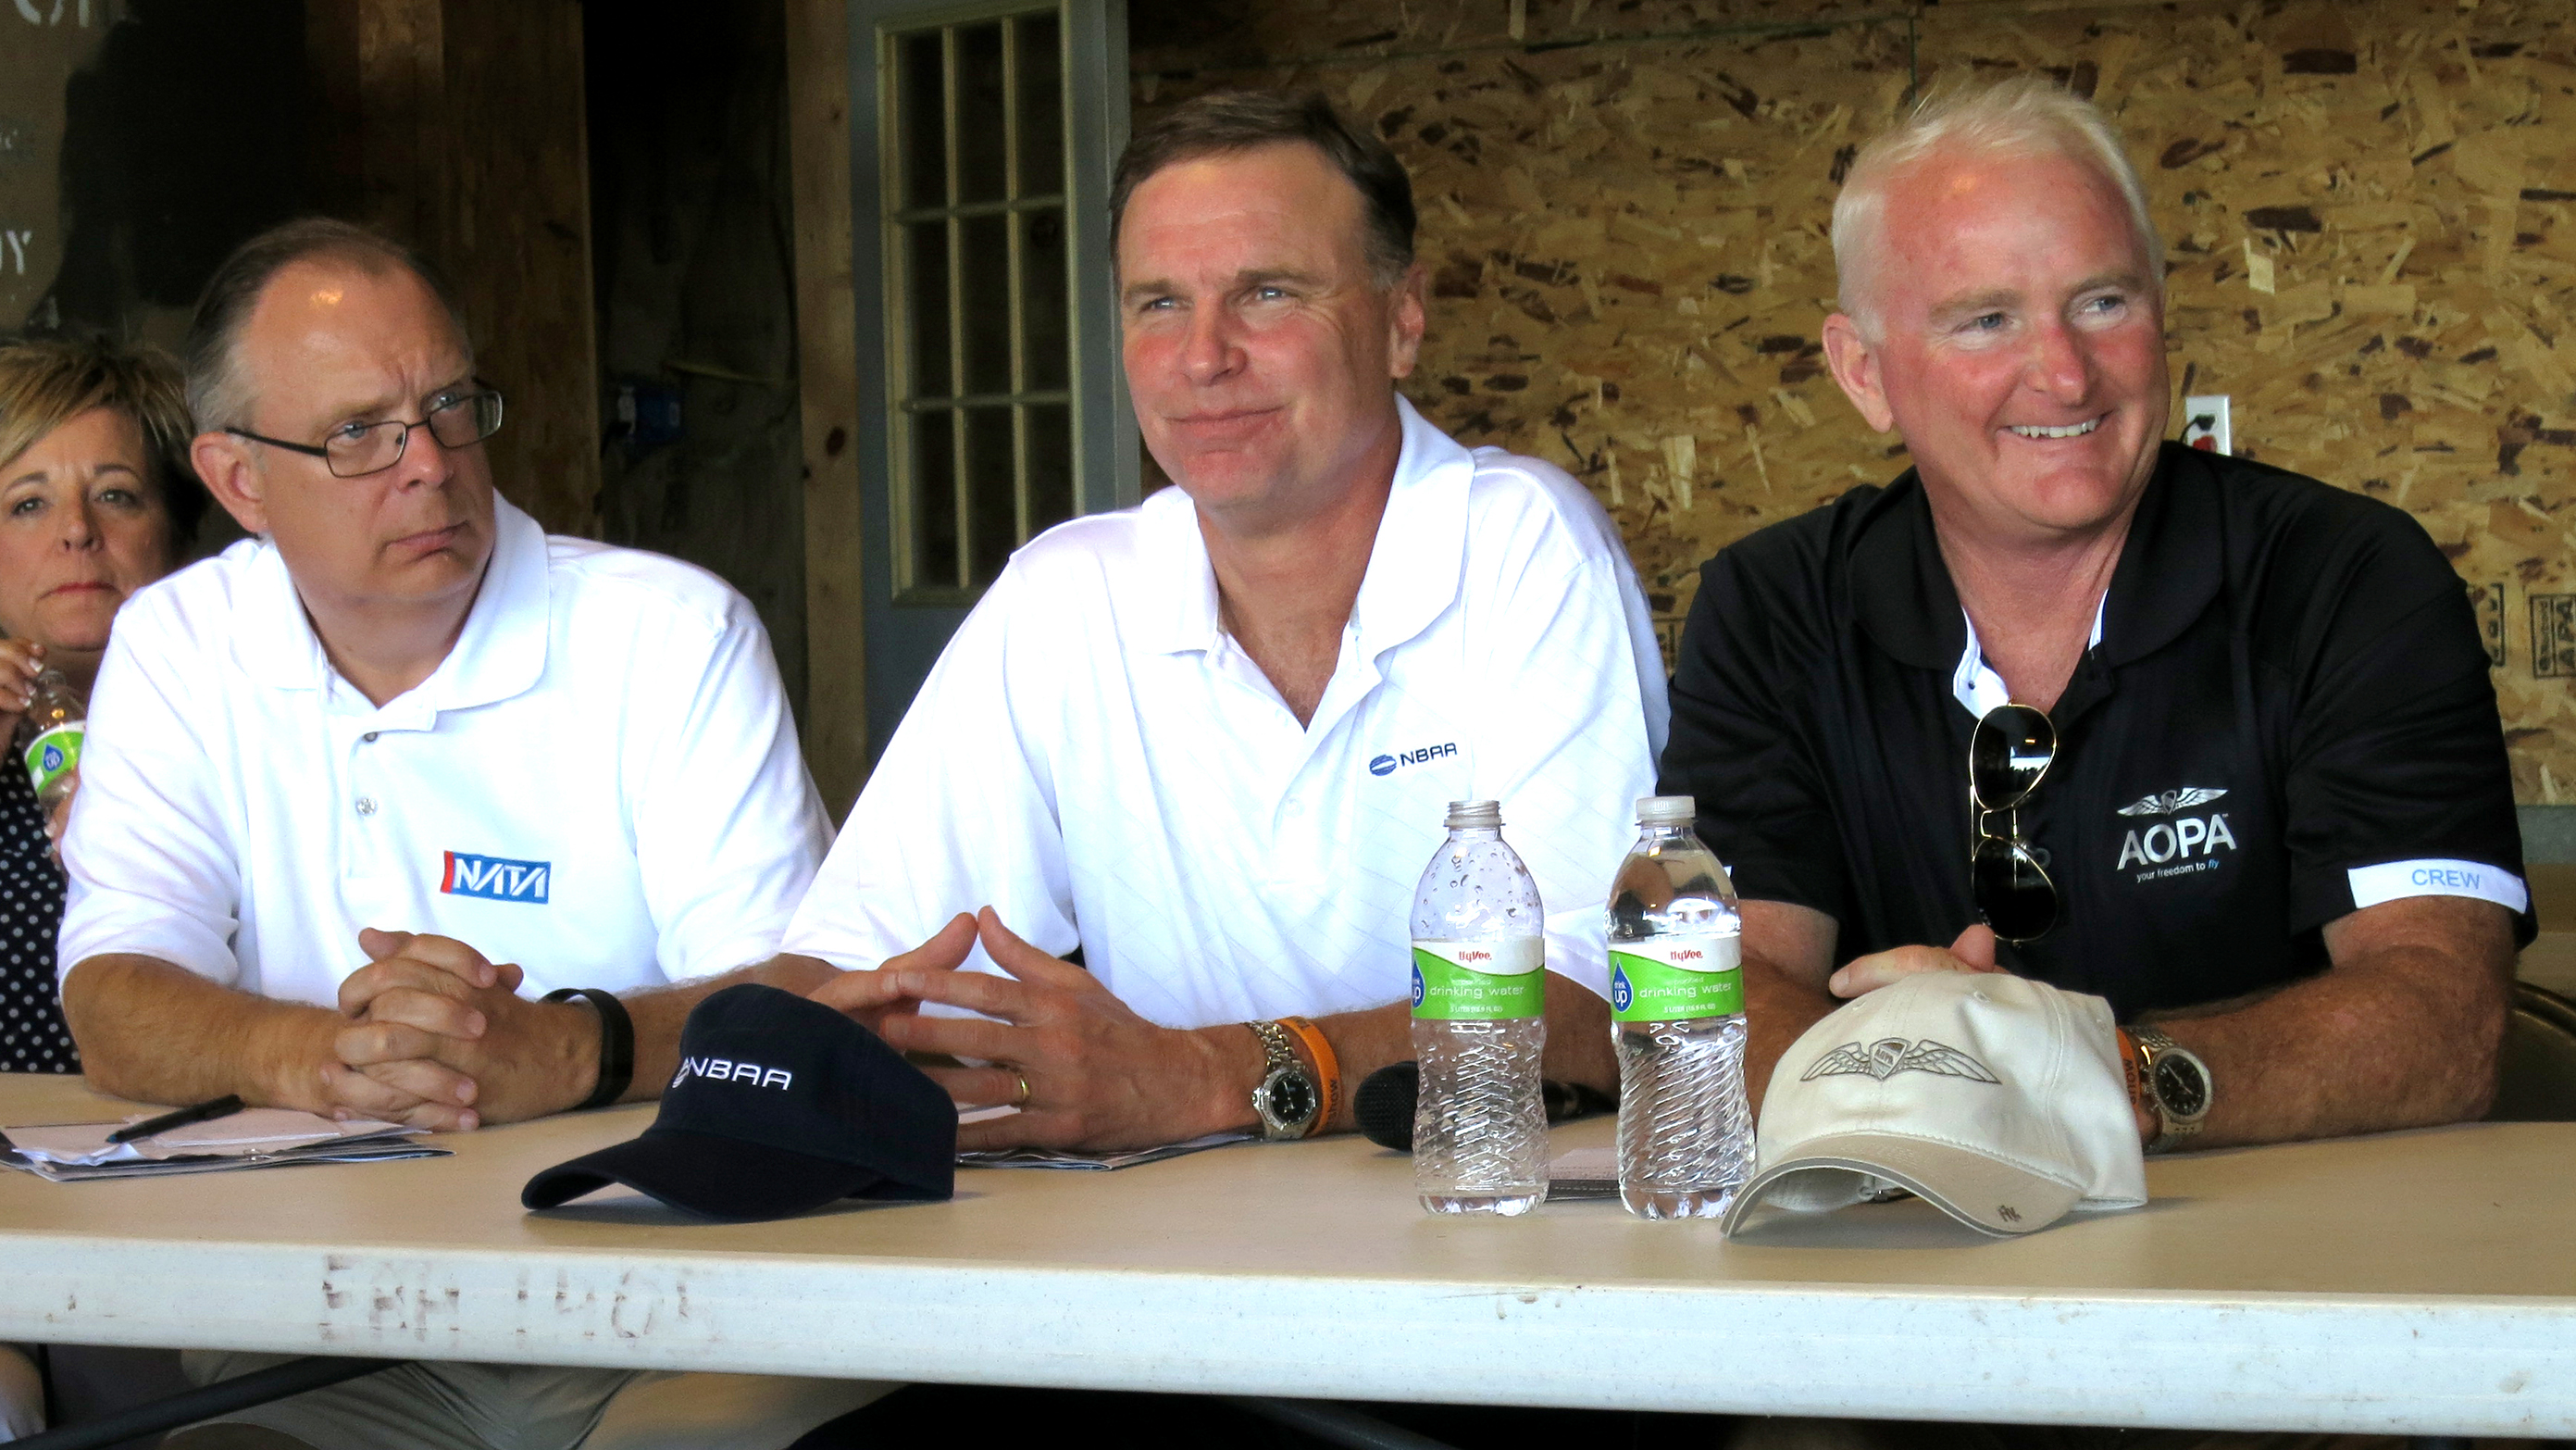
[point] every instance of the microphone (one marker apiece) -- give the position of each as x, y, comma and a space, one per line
1385, 1103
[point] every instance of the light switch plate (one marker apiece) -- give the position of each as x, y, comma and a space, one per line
2205, 424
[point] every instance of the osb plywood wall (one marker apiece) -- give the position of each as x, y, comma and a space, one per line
2370, 207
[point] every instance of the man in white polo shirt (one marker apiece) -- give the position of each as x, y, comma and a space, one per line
339, 772
401, 708
1209, 741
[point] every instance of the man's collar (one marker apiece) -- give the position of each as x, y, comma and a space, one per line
501, 652
2174, 561
272, 640
1900, 589
1976, 686
2169, 569
1176, 560
1421, 548
1414, 565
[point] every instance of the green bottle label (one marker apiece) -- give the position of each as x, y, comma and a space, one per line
1672, 979
1479, 981
54, 754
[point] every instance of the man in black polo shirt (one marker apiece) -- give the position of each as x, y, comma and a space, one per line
2276, 822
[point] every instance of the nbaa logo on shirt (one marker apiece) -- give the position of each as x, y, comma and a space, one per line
494, 878
1389, 764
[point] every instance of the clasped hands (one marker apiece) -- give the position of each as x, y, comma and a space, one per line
1097, 1076
437, 1037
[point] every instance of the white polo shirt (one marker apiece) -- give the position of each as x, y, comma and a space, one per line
1098, 760
600, 782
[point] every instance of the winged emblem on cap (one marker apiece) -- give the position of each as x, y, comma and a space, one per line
1889, 1056
2168, 802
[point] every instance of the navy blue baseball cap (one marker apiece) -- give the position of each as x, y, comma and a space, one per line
781, 1105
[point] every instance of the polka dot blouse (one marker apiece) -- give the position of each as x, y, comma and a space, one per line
32, 1035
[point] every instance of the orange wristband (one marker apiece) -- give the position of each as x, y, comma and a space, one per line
1328, 1070
2129, 1068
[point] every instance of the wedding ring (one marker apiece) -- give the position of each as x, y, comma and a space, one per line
1023, 1098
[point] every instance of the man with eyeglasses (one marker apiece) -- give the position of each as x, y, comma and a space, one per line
401, 809
2203, 737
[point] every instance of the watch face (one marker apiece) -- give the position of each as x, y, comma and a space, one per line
1292, 1098
2180, 1087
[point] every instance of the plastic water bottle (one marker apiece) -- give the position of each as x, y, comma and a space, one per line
58, 721
1479, 992
1677, 1010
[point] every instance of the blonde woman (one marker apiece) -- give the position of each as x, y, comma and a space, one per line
96, 501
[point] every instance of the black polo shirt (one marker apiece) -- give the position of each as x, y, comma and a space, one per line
2289, 685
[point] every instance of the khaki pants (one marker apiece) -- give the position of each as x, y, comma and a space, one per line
430, 1405
22, 1395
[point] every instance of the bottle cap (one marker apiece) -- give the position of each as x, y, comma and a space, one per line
1487, 814
1666, 810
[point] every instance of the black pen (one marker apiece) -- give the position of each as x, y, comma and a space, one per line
208, 1111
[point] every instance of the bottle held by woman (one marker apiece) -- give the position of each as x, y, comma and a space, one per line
56, 722
1479, 992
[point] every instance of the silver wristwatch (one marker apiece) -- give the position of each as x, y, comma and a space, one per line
2177, 1082
1288, 1099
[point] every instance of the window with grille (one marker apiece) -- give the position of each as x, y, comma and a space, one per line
981, 295
984, 301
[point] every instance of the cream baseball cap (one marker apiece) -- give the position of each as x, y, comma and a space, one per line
1999, 1099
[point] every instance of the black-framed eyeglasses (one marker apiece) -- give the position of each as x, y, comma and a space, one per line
354, 450
2011, 750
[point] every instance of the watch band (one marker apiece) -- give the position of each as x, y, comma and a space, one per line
1278, 1057
2173, 1130
1328, 1071
616, 1044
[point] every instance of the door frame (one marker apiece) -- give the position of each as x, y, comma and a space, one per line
903, 640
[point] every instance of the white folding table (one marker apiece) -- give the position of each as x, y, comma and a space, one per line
2415, 1283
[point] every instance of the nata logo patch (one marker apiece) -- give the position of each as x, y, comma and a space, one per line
495, 878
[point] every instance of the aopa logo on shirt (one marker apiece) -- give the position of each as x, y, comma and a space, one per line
495, 879
1387, 764
2174, 841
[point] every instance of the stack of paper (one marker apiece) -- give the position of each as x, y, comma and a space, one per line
1061, 1158
1583, 1173
258, 1138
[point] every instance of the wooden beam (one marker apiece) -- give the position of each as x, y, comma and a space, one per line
335, 136
459, 127
836, 698
515, 236
399, 86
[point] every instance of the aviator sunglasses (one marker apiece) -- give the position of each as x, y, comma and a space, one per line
2011, 750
